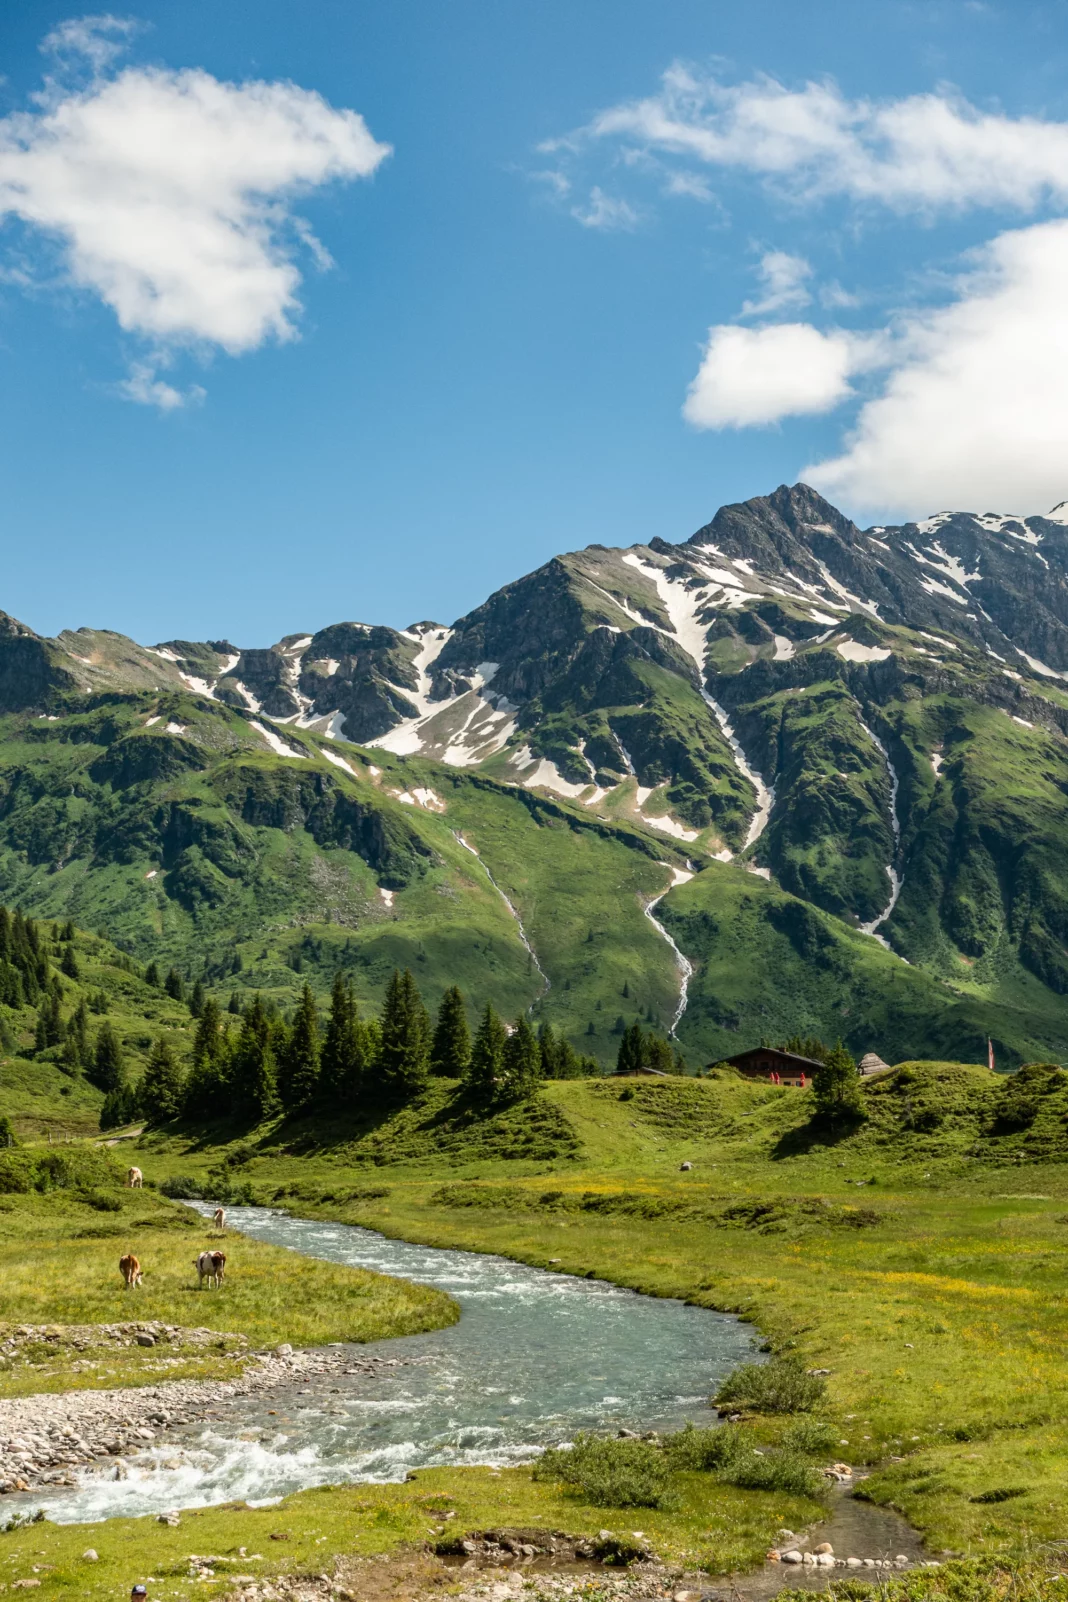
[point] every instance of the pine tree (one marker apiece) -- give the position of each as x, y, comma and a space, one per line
152, 975
549, 1047
196, 1000
346, 1050
836, 1088
403, 1058
68, 931
521, 1060
206, 1088
69, 965
109, 1068
450, 1051
657, 1053
174, 985
620, 1025
160, 1091
630, 1054
7, 1133
252, 1067
298, 1061
98, 1003
235, 1004
626, 990
485, 1071
49, 1031
121, 1106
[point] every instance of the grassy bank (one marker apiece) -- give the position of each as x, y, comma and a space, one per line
59, 1253
715, 1526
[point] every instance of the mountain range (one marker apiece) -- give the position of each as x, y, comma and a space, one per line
787, 776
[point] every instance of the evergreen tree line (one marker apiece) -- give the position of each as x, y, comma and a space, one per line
258, 1063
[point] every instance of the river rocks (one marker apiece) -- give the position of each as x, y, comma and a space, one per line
793, 1556
43, 1437
91, 1555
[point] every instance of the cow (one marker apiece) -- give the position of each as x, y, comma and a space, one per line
130, 1269
220, 1220
134, 1179
210, 1266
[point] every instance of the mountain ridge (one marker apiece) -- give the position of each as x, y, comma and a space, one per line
870, 721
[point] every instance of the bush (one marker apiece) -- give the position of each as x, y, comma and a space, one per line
16, 1173
809, 1437
182, 1187
703, 1450
610, 1472
767, 1470
778, 1386
101, 1201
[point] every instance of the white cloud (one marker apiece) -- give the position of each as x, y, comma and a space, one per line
170, 194
99, 40
144, 388
784, 279
975, 412
922, 152
603, 211
690, 185
752, 376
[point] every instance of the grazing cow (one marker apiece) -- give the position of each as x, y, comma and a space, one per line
130, 1269
210, 1266
220, 1220
134, 1179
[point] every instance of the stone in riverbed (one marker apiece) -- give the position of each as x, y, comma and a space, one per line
793, 1556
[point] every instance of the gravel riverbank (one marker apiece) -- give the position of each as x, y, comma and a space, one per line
44, 1438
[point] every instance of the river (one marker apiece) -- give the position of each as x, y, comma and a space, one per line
534, 1357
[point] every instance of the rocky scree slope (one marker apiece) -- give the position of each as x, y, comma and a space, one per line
870, 721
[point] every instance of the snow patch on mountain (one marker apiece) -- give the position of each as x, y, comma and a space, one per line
338, 761
896, 881
1040, 667
853, 651
276, 743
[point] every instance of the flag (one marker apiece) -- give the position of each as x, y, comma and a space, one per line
990, 1053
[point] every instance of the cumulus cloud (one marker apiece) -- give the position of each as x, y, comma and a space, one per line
975, 412
784, 277
605, 212
923, 152
751, 376
146, 388
972, 407
97, 40
170, 194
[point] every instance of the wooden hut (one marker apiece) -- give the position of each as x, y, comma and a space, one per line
773, 1066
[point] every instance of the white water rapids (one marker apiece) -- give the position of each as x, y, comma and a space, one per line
535, 1356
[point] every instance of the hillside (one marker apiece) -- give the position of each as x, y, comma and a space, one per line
839, 755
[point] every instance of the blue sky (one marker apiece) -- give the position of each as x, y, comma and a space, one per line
263, 373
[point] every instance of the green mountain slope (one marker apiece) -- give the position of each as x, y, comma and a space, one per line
852, 741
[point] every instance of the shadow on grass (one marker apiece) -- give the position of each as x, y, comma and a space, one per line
819, 1133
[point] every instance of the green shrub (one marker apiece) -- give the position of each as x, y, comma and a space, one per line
702, 1450
182, 1187
777, 1386
809, 1437
768, 1470
101, 1201
610, 1472
16, 1172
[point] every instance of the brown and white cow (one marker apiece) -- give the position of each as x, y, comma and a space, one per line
135, 1180
210, 1266
220, 1220
130, 1269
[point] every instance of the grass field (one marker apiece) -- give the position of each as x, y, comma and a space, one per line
59, 1254
922, 1258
